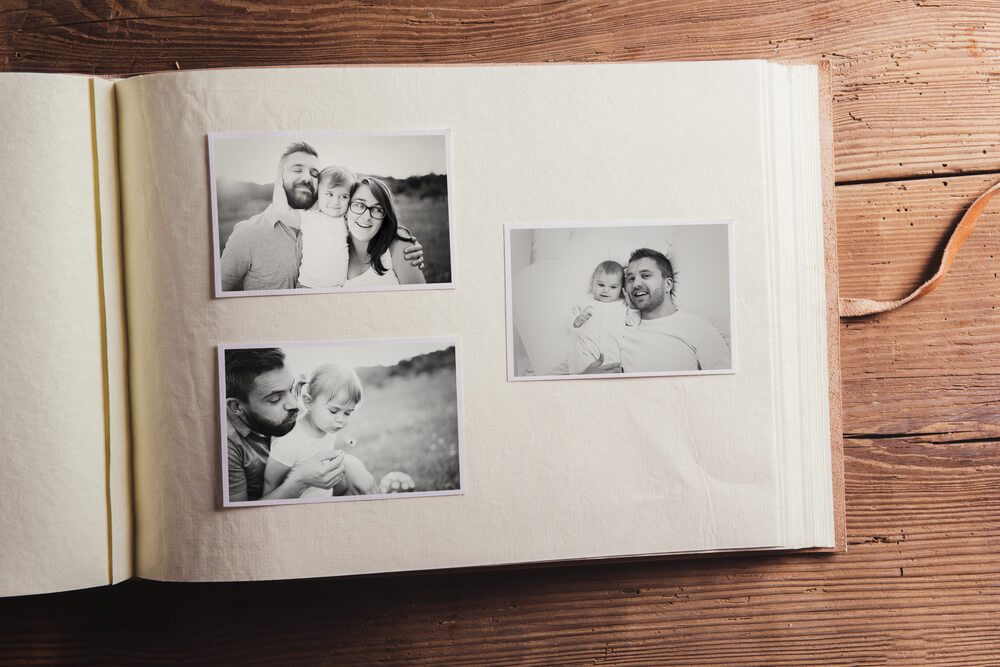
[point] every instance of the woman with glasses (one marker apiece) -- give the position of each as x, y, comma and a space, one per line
375, 240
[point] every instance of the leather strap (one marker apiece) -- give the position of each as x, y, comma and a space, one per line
862, 307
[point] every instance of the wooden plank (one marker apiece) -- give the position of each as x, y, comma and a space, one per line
913, 80
920, 585
931, 365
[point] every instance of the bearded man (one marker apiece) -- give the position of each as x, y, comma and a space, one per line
261, 405
264, 253
666, 338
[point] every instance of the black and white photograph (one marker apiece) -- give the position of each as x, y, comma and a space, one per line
350, 420
330, 212
632, 299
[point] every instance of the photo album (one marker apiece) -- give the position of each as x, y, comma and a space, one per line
287, 323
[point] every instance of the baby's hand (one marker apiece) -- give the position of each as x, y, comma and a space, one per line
587, 313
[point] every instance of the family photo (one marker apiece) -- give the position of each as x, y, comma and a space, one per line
634, 299
330, 212
318, 422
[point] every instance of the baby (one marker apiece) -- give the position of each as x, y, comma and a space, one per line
330, 397
324, 231
598, 319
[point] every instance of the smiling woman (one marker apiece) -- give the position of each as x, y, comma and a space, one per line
377, 242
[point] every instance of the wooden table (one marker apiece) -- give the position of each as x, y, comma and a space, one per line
917, 130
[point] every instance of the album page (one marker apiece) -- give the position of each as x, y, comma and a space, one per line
468, 419
65, 515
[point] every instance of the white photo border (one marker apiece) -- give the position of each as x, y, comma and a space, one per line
214, 204
730, 239
224, 434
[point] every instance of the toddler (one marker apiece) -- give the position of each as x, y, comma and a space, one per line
324, 231
598, 319
330, 397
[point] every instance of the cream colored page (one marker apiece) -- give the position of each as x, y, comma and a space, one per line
52, 475
575, 469
113, 291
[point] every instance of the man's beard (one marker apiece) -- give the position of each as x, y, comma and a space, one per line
265, 427
297, 199
653, 300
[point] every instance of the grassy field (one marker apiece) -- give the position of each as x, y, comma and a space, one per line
410, 423
428, 220
425, 216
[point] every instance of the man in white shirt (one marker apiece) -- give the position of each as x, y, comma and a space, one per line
666, 338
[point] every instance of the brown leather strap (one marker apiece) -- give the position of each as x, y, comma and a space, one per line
862, 307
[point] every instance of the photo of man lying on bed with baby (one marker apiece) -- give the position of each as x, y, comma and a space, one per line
330, 212
635, 299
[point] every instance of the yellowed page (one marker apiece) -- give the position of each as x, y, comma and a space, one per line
119, 470
53, 491
578, 469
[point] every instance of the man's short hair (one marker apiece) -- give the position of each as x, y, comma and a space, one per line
299, 147
244, 366
666, 268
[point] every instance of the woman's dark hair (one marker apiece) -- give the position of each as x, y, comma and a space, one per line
390, 223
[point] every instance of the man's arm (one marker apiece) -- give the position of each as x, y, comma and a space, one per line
235, 260
713, 351
359, 481
321, 470
407, 272
237, 475
274, 474
413, 252
600, 367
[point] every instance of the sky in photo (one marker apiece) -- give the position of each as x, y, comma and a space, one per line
254, 158
302, 359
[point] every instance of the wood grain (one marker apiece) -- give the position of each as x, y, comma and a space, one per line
914, 106
928, 367
920, 585
913, 78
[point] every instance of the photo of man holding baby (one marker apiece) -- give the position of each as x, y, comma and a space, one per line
315, 422
590, 301
375, 219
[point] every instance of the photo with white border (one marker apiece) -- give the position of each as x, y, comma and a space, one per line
320, 212
633, 299
346, 420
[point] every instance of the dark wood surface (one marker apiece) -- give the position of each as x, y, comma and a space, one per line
917, 136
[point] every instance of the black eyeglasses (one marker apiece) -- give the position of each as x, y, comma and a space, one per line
358, 207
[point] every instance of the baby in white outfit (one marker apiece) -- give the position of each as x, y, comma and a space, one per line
598, 320
324, 231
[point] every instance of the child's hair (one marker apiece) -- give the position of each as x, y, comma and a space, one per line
331, 379
610, 268
390, 223
333, 177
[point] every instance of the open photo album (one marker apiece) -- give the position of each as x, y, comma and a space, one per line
286, 323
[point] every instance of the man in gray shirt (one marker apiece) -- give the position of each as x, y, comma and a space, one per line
261, 404
265, 251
